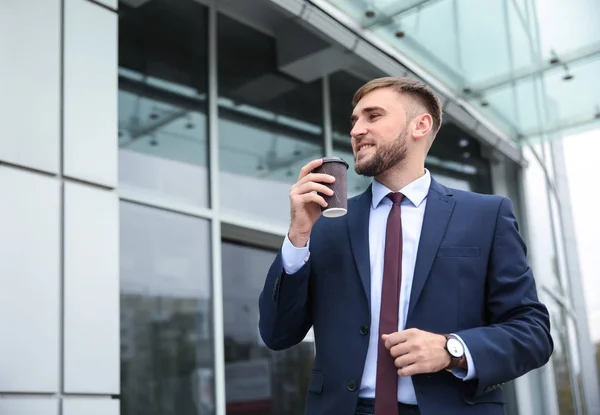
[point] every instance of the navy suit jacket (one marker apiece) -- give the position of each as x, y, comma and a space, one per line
471, 278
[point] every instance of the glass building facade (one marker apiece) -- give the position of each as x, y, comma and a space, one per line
147, 148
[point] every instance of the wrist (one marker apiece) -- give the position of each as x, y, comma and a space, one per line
455, 350
447, 357
298, 239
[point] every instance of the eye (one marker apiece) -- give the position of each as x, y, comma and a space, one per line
374, 116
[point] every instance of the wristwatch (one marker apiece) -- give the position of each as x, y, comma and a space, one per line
455, 349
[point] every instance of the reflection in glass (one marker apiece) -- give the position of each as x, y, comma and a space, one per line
270, 124
561, 260
258, 381
560, 359
162, 99
343, 85
166, 336
576, 376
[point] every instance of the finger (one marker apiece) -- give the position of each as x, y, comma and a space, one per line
310, 166
313, 197
399, 349
405, 360
411, 370
317, 178
394, 338
312, 187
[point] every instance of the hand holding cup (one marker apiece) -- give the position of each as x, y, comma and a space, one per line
310, 197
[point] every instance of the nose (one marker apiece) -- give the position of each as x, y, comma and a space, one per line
358, 130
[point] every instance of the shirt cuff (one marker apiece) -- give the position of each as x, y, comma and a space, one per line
293, 258
461, 373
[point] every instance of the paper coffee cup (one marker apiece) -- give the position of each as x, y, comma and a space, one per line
337, 204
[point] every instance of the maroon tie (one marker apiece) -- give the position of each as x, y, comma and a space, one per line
386, 385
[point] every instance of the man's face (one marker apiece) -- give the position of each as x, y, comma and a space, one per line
379, 132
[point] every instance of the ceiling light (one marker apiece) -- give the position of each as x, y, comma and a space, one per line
399, 32
370, 10
568, 75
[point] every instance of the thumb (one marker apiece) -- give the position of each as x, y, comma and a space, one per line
385, 337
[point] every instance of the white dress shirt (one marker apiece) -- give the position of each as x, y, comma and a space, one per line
412, 211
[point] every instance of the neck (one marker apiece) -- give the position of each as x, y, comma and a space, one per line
402, 174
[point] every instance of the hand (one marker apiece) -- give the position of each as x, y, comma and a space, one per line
416, 351
306, 203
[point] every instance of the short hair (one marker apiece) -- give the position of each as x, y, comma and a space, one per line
412, 88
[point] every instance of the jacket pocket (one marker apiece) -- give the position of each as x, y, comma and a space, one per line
315, 384
458, 251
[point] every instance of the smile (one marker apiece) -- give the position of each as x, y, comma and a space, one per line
364, 147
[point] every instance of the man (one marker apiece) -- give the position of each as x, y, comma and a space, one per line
421, 298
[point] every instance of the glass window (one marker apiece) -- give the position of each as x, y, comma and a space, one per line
539, 224
545, 148
342, 86
575, 361
456, 160
560, 358
270, 124
258, 380
166, 314
510, 392
561, 257
162, 99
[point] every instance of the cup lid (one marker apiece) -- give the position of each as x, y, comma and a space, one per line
334, 159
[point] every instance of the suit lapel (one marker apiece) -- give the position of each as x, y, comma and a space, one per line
435, 221
358, 230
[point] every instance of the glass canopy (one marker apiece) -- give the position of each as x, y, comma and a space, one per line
530, 66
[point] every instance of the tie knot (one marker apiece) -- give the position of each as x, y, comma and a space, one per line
395, 197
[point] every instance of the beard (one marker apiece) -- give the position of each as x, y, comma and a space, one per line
386, 156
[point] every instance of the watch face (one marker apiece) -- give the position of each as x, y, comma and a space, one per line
455, 348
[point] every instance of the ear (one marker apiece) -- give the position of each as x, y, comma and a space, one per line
422, 126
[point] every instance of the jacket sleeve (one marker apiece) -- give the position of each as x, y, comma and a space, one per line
284, 306
518, 339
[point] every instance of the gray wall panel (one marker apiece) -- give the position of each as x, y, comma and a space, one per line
30, 83
92, 406
91, 334
28, 406
90, 93
30, 281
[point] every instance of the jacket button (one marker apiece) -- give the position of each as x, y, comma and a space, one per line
364, 330
352, 386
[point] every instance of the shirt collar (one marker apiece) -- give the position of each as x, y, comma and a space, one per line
415, 191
